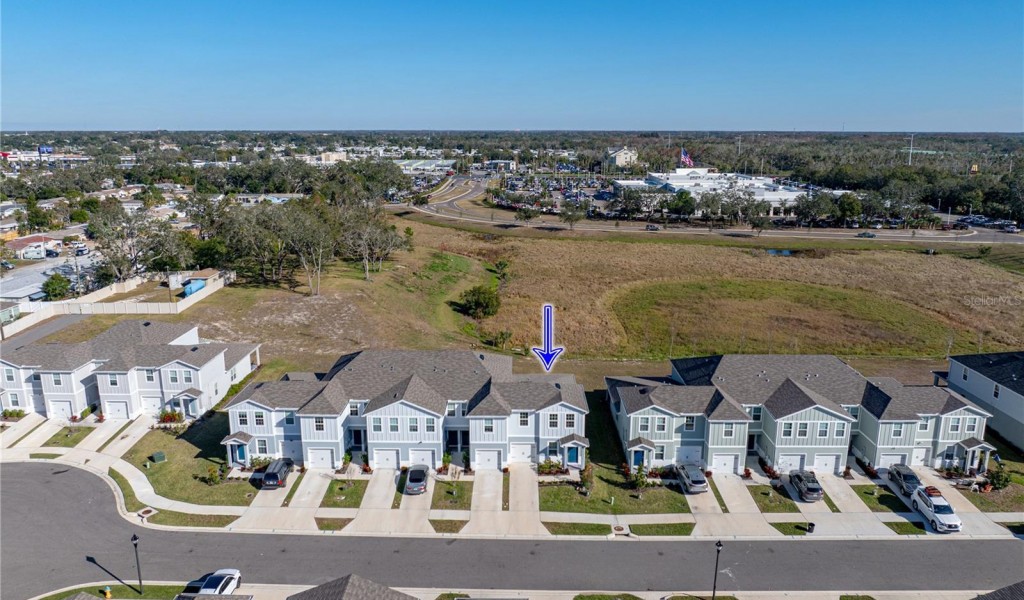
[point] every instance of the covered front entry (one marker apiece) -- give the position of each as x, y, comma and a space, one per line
238, 448
976, 453
357, 440
573, 450
456, 440
639, 452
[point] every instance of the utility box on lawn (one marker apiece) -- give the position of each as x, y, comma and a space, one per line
159, 457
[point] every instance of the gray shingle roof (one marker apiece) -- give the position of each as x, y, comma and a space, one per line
574, 438
752, 378
972, 442
637, 394
889, 400
504, 397
240, 436
792, 397
1004, 368
279, 394
639, 441
1011, 592
411, 389
50, 357
351, 587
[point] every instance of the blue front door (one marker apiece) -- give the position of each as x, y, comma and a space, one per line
574, 455
240, 453
638, 458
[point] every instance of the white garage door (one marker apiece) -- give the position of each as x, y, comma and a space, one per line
421, 457
888, 460
321, 458
151, 404
725, 463
385, 459
688, 455
60, 410
116, 410
520, 453
486, 459
919, 456
826, 463
292, 449
790, 462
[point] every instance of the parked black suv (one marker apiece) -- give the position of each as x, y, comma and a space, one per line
276, 475
904, 478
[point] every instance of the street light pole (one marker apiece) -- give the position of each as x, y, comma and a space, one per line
714, 586
138, 568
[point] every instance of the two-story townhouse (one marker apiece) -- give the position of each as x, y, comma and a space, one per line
134, 367
795, 412
54, 380
921, 425
995, 382
401, 408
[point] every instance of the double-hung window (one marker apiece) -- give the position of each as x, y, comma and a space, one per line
414, 425
353, 409
243, 418
553, 420
840, 430
318, 424
822, 430
9, 374
261, 446
661, 424
393, 424
972, 425
431, 425
453, 410
524, 419
897, 430
258, 418
995, 391
570, 420
645, 423
552, 448
755, 413
377, 425
112, 380
173, 375
728, 430
659, 453
289, 418
150, 375
187, 376
802, 429
57, 382
964, 374
954, 425
15, 402
489, 425
689, 423
922, 425
787, 430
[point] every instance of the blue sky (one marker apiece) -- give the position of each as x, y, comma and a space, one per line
865, 66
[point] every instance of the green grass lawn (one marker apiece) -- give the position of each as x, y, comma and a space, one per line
908, 527
578, 528
328, 524
447, 526
1010, 499
654, 529
718, 495
177, 519
885, 501
124, 592
452, 495
830, 504
43, 455
605, 597
772, 500
688, 597
294, 488
607, 457
452, 596
344, 494
68, 437
131, 503
400, 490
188, 457
791, 528
504, 492
855, 597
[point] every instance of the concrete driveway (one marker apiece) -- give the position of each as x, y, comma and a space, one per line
376, 516
524, 501
485, 515
844, 496
312, 488
41, 434
704, 503
19, 428
523, 514
734, 493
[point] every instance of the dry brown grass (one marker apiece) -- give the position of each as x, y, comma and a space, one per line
581, 278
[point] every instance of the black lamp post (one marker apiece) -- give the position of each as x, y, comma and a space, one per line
718, 553
138, 569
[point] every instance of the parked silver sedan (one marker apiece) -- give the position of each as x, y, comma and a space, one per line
416, 480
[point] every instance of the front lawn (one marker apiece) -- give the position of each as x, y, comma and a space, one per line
447, 526
131, 503
188, 459
605, 597
718, 495
885, 500
578, 528
294, 488
654, 529
177, 519
43, 455
328, 524
68, 437
908, 527
125, 592
1010, 499
399, 490
344, 494
830, 504
770, 500
791, 528
452, 495
612, 493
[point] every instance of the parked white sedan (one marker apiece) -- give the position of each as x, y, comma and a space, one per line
221, 583
936, 509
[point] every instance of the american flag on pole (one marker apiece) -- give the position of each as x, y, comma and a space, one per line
684, 158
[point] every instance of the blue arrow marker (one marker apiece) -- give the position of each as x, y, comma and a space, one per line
548, 355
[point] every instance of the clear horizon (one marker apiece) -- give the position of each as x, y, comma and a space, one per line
936, 67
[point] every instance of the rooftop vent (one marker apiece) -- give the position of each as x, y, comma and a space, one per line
558, 386
194, 348
644, 390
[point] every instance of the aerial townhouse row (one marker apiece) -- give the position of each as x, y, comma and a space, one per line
133, 368
411, 407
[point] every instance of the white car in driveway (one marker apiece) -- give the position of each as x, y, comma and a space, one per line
221, 583
936, 510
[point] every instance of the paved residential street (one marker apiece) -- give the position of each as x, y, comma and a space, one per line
40, 503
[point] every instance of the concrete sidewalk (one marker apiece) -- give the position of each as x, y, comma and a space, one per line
19, 428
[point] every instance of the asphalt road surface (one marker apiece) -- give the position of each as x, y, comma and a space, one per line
60, 528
